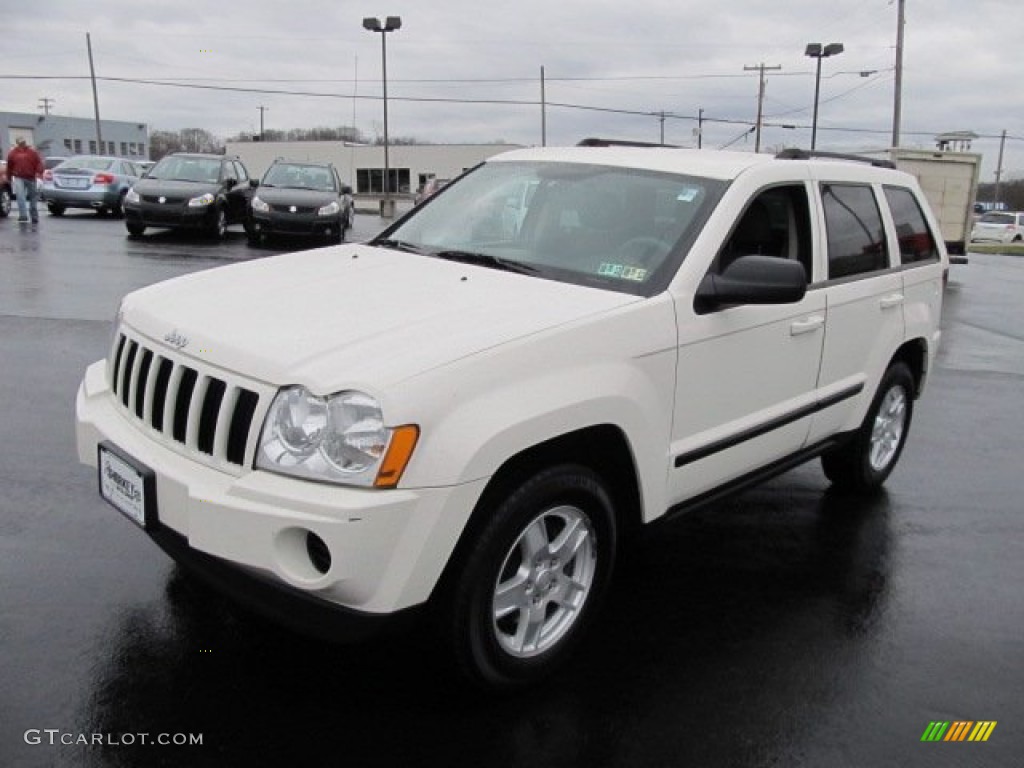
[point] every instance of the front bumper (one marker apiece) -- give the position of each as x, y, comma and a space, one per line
387, 547
176, 215
310, 225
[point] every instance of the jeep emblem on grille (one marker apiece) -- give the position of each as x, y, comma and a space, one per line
162, 199
176, 340
293, 209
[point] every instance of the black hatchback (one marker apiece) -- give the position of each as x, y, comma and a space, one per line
300, 199
189, 191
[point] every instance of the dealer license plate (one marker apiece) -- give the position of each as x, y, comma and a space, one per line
72, 183
127, 485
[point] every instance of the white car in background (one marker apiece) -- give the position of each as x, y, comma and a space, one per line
999, 227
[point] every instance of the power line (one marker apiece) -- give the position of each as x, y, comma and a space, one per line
497, 102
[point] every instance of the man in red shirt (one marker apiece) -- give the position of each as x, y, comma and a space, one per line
23, 166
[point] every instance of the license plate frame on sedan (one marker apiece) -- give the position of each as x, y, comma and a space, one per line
127, 485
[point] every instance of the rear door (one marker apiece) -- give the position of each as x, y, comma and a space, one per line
865, 301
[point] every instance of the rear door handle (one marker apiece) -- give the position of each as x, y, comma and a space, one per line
807, 325
890, 301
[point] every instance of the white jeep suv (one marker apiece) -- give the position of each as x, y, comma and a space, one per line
466, 412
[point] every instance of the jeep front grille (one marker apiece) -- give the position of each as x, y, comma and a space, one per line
202, 412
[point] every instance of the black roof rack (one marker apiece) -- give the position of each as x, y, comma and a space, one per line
596, 142
808, 154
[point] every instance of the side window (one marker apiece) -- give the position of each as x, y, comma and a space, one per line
229, 171
240, 170
856, 238
916, 240
777, 222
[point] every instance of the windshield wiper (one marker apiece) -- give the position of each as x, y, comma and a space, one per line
400, 245
485, 260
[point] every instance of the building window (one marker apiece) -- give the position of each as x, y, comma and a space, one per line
370, 181
78, 146
67, 144
92, 146
124, 148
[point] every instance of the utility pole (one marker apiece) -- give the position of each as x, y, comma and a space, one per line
898, 90
760, 99
700, 127
262, 109
44, 104
543, 111
999, 168
95, 98
661, 119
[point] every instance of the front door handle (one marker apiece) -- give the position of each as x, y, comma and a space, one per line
807, 325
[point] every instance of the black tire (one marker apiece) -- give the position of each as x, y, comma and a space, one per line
254, 239
134, 228
117, 210
864, 463
552, 589
55, 209
5, 202
219, 228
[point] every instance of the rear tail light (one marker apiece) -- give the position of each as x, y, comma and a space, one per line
103, 178
47, 175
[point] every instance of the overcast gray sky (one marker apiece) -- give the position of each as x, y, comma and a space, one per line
963, 68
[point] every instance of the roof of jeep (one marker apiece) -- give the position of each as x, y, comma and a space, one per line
709, 163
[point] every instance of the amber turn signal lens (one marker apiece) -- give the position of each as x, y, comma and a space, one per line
403, 441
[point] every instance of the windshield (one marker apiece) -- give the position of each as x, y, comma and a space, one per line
616, 228
174, 168
294, 176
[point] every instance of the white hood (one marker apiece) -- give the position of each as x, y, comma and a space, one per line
352, 316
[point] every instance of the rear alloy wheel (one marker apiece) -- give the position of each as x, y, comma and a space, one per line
5, 202
863, 464
534, 578
55, 209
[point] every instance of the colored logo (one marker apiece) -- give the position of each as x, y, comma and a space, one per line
959, 730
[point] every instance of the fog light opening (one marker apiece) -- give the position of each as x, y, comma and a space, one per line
319, 554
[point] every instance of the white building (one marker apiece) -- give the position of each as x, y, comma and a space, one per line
362, 166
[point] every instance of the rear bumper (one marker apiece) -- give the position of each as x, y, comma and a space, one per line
81, 198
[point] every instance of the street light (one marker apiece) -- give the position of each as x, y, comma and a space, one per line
819, 52
391, 23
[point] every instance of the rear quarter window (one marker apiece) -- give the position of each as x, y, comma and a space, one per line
916, 240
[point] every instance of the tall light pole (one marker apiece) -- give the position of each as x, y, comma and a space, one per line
391, 23
819, 52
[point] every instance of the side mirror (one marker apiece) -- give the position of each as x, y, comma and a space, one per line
752, 280
254, 183
346, 189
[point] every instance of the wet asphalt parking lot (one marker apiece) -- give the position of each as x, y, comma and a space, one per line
789, 626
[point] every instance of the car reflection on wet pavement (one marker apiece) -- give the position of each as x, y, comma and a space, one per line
787, 626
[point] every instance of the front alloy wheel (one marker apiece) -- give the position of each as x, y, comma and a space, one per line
532, 579
5, 202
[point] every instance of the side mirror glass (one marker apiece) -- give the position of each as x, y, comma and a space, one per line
752, 280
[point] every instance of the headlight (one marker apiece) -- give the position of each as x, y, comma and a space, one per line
340, 439
259, 205
132, 196
329, 209
199, 202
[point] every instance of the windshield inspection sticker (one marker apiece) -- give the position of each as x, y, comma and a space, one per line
623, 272
687, 194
